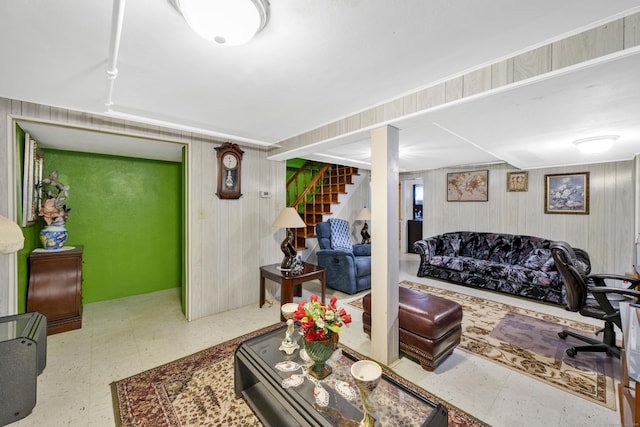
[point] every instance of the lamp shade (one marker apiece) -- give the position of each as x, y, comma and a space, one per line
289, 218
11, 238
364, 215
225, 22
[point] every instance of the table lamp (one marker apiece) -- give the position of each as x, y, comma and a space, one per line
365, 215
11, 238
288, 219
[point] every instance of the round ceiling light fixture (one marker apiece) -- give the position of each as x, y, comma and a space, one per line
225, 22
596, 144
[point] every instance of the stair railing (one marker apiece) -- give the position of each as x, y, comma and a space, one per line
307, 194
311, 186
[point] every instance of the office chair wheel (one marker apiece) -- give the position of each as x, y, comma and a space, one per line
571, 352
563, 335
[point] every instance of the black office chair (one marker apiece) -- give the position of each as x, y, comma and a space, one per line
590, 296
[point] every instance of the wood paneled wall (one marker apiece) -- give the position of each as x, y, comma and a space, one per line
227, 240
607, 232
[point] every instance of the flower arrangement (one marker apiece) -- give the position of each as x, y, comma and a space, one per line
54, 210
318, 320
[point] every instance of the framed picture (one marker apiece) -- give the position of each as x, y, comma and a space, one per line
32, 175
566, 193
468, 186
517, 181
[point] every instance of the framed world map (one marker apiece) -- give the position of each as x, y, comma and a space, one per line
470, 186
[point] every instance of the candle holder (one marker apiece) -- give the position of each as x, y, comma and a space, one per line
367, 374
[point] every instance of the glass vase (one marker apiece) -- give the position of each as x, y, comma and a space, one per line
319, 351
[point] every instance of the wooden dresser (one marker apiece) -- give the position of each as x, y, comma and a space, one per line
55, 288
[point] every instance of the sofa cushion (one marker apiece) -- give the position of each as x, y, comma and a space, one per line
340, 238
530, 244
520, 274
483, 245
490, 268
548, 265
450, 262
501, 249
448, 245
537, 258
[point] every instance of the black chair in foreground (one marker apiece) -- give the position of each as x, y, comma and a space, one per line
589, 295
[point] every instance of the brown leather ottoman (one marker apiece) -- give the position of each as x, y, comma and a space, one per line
429, 325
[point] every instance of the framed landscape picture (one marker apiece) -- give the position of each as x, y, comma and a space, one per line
517, 181
566, 193
468, 186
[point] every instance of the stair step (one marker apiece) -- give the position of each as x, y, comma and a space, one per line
326, 198
319, 208
312, 219
334, 189
342, 179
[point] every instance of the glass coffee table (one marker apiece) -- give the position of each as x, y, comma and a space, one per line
261, 370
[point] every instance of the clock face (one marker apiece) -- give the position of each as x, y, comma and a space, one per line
230, 161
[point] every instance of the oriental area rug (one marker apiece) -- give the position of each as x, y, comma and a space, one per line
198, 390
527, 341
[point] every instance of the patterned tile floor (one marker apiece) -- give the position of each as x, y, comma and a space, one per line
122, 337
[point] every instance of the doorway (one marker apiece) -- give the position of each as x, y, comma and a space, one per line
128, 175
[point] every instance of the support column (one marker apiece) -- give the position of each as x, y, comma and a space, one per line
384, 247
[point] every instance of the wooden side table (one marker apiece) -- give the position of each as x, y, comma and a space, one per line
55, 287
288, 280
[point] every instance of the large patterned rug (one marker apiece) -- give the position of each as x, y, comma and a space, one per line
527, 341
198, 390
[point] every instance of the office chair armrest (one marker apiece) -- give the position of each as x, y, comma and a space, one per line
609, 290
601, 295
599, 279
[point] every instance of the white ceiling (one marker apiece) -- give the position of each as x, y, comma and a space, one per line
319, 61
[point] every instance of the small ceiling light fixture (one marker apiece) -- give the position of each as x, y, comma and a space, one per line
225, 22
596, 144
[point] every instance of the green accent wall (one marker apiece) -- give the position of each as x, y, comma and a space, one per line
293, 165
128, 214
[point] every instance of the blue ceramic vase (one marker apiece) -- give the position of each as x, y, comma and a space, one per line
53, 236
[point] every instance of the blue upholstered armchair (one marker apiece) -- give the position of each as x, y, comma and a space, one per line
348, 266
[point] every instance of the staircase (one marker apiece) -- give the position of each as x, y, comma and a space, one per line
325, 183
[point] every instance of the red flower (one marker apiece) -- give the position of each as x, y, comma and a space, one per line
313, 298
346, 318
314, 335
333, 301
300, 312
